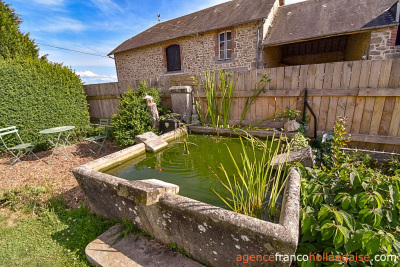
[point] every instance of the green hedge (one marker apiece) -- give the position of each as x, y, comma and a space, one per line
37, 95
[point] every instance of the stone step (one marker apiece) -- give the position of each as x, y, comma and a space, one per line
111, 250
152, 141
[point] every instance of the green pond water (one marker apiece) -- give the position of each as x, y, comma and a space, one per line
193, 171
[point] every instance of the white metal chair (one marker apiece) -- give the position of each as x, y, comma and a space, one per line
20, 149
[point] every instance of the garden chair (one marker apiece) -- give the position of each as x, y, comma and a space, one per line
17, 150
102, 136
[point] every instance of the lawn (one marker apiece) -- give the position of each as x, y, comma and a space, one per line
44, 217
55, 236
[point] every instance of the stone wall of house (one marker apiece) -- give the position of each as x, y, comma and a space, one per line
382, 44
198, 53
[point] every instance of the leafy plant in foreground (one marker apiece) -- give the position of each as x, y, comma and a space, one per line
330, 154
348, 208
351, 210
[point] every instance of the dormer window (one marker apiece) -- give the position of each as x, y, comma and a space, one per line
225, 45
173, 58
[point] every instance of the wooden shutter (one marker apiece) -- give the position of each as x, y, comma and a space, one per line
173, 58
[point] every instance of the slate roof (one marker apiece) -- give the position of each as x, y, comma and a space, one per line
318, 18
228, 14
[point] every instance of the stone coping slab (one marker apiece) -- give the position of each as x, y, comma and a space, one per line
152, 141
110, 250
303, 155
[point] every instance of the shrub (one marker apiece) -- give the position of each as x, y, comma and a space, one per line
351, 210
299, 141
348, 208
36, 95
133, 118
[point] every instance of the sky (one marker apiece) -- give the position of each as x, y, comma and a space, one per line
95, 27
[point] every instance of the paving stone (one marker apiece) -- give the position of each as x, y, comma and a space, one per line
110, 250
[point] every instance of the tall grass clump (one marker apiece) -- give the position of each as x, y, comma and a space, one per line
259, 88
227, 88
255, 185
210, 89
219, 96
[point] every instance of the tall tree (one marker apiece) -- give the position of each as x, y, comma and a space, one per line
14, 43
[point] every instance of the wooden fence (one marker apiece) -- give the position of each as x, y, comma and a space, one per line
367, 92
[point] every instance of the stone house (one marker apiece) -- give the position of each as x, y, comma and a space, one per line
247, 34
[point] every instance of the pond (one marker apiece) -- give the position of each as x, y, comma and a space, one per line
191, 162
211, 234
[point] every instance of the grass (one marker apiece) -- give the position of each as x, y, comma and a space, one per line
52, 236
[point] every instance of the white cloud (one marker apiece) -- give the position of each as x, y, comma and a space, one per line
87, 74
107, 6
61, 24
89, 77
50, 2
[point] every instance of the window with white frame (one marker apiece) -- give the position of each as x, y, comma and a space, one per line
225, 45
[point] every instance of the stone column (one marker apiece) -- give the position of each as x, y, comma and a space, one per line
181, 97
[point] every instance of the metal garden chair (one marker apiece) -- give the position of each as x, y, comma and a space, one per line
102, 136
17, 150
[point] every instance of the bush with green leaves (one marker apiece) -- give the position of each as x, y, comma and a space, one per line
350, 210
347, 208
133, 118
37, 95
299, 141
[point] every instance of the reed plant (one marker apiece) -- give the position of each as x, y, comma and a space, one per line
219, 96
255, 185
226, 88
210, 88
258, 89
